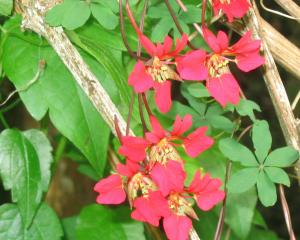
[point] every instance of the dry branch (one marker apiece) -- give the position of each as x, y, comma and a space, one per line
32, 12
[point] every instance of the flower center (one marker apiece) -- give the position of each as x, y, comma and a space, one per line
225, 1
161, 72
217, 65
162, 152
140, 183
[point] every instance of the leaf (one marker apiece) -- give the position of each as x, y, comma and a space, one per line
6, 7
43, 149
240, 211
45, 226
69, 226
20, 172
243, 180
262, 139
197, 90
266, 190
246, 108
104, 16
221, 122
56, 91
100, 222
282, 157
237, 152
11, 227
70, 14
277, 175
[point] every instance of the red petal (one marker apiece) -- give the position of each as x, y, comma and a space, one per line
134, 148
163, 96
150, 209
197, 142
224, 89
148, 45
191, 66
180, 45
177, 227
211, 40
129, 169
169, 177
249, 62
181, 126
157, 129
110, 190
140, 79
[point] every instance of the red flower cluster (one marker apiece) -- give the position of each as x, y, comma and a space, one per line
197, 65
154, 178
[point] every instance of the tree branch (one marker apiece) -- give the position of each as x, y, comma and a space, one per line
33, 12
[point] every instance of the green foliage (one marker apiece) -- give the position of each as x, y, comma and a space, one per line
20, 172
165, 24
45, 225
73, 14
56, 92
263, 171
6, 7
246, 108
99, 222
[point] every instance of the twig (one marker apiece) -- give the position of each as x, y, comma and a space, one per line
296, 100
286, 212
174, 17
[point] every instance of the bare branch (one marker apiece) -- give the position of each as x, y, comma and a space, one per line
32, 12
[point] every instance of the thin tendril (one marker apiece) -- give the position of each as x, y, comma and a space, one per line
276, 12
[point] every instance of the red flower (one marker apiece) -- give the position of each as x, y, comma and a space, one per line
150, 208
169, 177
163, 142
206, 191
232, 8
214, 67
110, 190
177, 227
156, 72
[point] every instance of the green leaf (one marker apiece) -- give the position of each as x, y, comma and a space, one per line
11, 227
43, 149
197, 90
100, 222
266, 190
6, 7
45, 226
221, 122
262, 139
282, 157
104, 16
237, 152
70, 14
240, 211
163, 26
277, 175
247, 107
56, 91
243, 180
69, 226
20, 172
